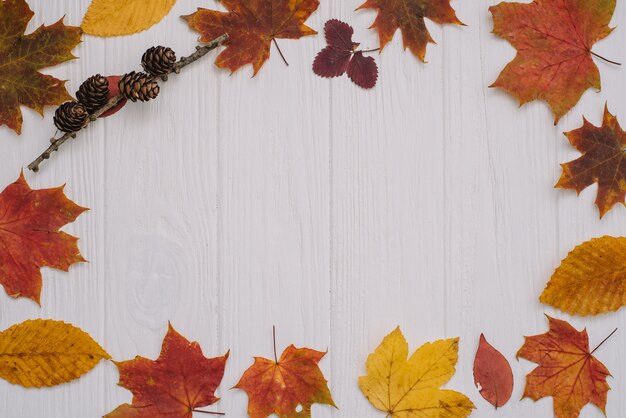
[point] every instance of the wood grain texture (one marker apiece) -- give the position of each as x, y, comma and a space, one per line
231, 204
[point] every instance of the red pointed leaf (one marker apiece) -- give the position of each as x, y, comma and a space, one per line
114, 91
492, 374
172, 386
363, 71
30, 237
331, 62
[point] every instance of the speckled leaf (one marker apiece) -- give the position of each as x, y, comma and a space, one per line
124, 17
41, 352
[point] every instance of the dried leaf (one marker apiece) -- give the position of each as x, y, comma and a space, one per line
340, 56
411, 389
591, 280
172, 386
124, 17
21, 58
252, 25
287, 388
492, 374
408, 16
30, 237
567, 371
39, 353
553, 39
602, 162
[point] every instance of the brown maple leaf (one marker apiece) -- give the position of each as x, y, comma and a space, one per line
173, 386
567, 370
602, 162
408, 16
30, 238
288, 386
251, 26
553, 39
22, 56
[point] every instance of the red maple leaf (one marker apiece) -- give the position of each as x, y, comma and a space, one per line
30, 238
173, 386
567, 370
340, 56
288, 386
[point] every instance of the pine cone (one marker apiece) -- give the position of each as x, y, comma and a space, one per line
138, 86
93, 93
158, 61
70, 117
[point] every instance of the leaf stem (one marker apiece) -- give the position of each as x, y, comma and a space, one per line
208, 412
370, 50
604, 59
603, 341
55, 143
274, 336
280, 52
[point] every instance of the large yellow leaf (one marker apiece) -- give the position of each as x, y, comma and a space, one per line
124, 17
591, 280
42, 352
411, 389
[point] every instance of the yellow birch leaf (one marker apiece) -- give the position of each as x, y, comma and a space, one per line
411, 389
591, 280
124, 17
42, 352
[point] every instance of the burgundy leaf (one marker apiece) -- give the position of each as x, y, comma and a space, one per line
331, 62
362, 70
339, 35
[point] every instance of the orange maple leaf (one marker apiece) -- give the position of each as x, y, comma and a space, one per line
408, 16
30, 238
172, 386
567, 370
21, 56
288, 386
251, 26
553, 39
602, 161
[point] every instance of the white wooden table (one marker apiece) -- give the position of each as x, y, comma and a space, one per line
231, 204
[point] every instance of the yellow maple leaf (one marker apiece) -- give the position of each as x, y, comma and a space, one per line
411, 389
124, 17
591, 280
42, 352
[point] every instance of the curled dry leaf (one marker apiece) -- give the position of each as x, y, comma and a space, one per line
408, 16
21, 58
404, 388
340, 56
287, 387
252, 25
553, 39
602, 162
124, 17
567, 371
492, 374
591, 280
39, 353
30, 236
173, 385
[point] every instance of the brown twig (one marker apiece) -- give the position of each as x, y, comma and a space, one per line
55, 143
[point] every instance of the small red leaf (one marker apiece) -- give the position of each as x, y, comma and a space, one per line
113, 91
339, 35
331, 62
363, 71
492, 374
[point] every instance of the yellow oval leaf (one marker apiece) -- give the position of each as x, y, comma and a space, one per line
124, 17
42, 352
591, 280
